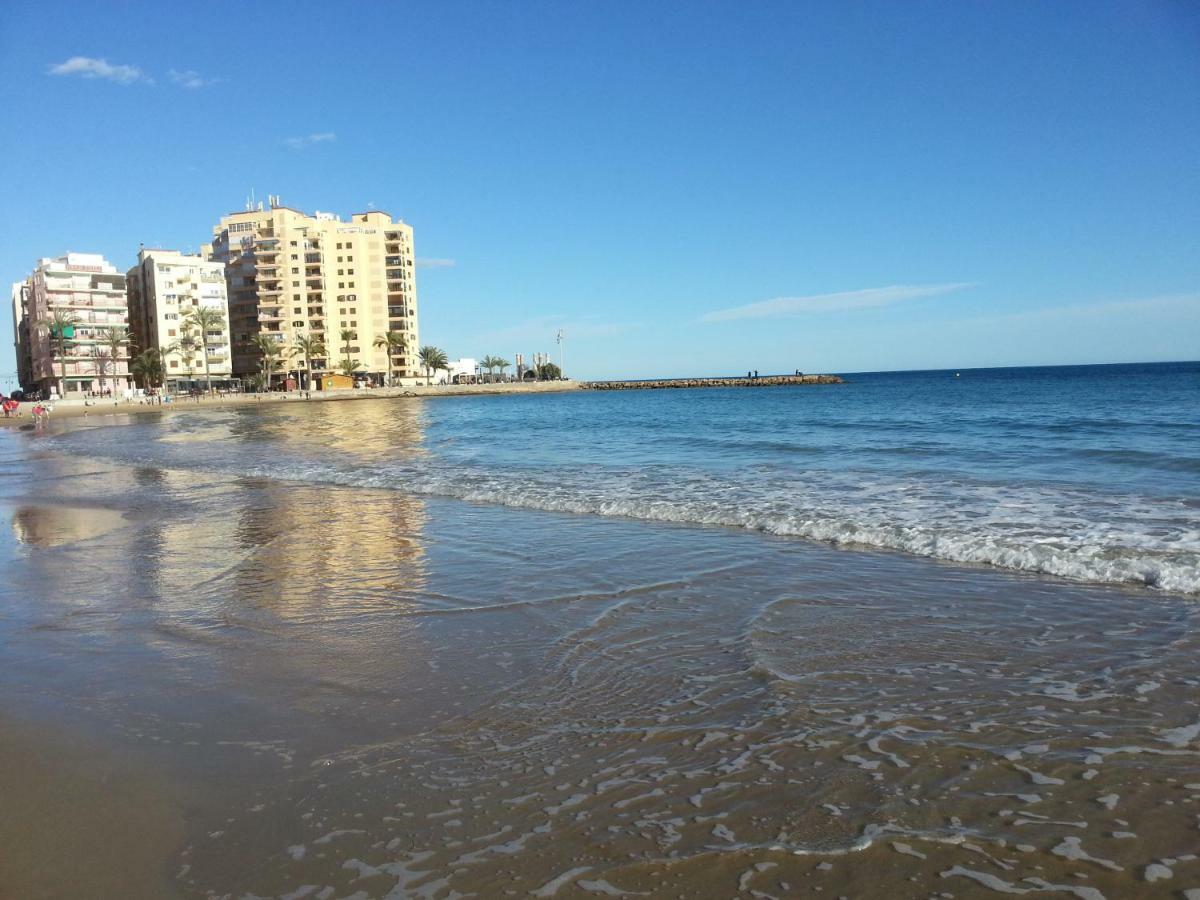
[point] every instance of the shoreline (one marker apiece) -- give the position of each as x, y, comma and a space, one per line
73, 409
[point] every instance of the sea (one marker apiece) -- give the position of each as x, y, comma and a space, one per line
1089, 473
920, 634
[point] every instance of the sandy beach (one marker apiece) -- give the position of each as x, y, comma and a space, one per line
71, 409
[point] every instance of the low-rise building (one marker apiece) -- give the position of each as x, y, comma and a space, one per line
165, 290
86, 293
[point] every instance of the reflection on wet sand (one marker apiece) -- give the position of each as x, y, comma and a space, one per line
312, 548
53, 526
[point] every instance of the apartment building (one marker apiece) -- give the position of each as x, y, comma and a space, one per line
20, 294
90, 291
290, 275
163, 288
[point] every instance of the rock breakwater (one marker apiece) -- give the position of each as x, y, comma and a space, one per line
763, 381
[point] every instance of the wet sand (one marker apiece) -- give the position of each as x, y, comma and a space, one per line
80, 819
358, 693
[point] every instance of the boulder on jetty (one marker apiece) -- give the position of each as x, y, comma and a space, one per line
763, 381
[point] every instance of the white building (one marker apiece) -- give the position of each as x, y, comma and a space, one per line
462, 371
164, 287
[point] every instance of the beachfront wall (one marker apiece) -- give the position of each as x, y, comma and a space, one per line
764, 381
290, 274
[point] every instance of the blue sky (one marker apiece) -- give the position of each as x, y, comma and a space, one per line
684, 188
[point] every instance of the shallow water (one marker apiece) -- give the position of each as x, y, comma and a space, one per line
1089, 472
365, 690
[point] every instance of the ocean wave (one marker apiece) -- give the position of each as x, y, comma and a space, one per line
1072, 533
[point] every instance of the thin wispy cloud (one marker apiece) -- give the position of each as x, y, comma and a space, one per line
190, 79
540, 331
92, 67
430, 262
319, 137
1188, 303
838, 302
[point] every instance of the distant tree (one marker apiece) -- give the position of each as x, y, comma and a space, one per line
348, 336
502, 364
205, 319
395, 342
185, 349
101, 360
148, 367
311, 346
432, 359
548, 371
116, 340
59, 323
271, 354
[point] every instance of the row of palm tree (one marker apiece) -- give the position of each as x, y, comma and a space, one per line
272, 353
147, 365
492, 363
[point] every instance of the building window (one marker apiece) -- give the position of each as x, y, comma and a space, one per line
296, 310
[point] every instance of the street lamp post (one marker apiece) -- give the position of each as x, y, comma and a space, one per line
562, 365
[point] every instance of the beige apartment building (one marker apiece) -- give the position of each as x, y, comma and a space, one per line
163, 288
290, 274
90, 290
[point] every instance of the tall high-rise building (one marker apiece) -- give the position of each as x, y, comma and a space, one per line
164, 288
348, 283
89, 293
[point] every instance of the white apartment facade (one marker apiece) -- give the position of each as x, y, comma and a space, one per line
291, 275
89, 289
163, 288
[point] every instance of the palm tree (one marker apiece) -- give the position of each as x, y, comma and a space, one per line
115, 340
489, 363
272, 354
348, 366
205, 319
100, 360
395, 342
185, 347
502, 364
148, 366
432, 358
347, 335
313, 347
60, 322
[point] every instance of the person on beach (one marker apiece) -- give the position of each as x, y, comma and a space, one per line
40, 414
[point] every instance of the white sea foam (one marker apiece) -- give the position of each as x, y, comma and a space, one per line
1071, 532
